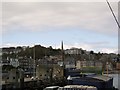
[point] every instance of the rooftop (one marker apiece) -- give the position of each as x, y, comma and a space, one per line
95, 78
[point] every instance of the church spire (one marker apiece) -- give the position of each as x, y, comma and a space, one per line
62, 52
62, 49
62, 45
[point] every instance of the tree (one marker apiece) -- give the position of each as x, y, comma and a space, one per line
91, 52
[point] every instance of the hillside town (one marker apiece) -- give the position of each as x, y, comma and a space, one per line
39, 63
33, 55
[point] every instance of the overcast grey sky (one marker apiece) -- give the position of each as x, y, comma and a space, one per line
87, 25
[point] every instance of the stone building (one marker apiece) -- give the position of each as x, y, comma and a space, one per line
48, 71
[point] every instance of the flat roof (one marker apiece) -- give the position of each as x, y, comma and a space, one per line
102, 77
78, 86
99, 78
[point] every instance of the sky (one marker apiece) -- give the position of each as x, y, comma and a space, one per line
87, 25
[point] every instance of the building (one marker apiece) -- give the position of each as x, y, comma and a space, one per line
69, 62
5, 62
11, 50
11, 76
118, 65
79, 87
99, 81
73, 51
27, 64
71, 87
81, 64
14, 62
48, 71
12, 79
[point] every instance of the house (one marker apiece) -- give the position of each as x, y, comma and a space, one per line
81, 64
73, 51
118, 65
27, 64
48, 71
11, 76
69, 62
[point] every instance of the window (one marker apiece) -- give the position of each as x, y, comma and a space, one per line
13, 77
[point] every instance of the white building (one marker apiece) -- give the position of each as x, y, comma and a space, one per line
73, 51
14, 62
